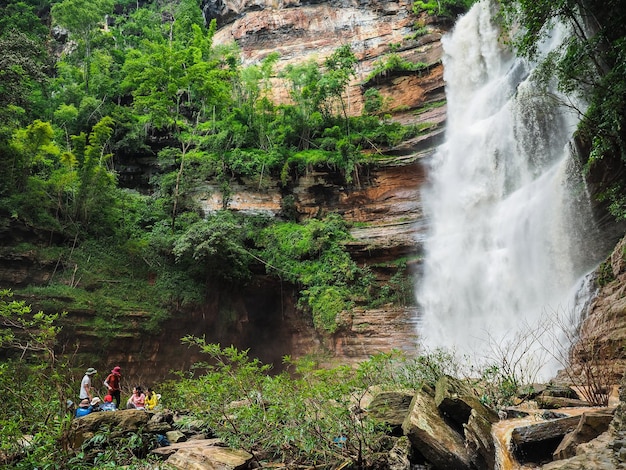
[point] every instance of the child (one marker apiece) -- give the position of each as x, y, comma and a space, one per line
108, 404
95, 404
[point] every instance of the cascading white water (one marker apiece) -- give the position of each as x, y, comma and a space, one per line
501, 253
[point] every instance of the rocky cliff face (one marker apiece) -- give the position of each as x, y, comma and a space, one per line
301, 31
385, 201
602, 346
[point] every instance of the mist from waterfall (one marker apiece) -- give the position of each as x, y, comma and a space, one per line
504, 214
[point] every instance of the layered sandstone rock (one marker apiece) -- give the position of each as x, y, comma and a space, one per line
303, 31
602, 333
384, 203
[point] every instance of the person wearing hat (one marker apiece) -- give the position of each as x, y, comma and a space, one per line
85, 384
108, 404
84, 408
95, 404
112, 383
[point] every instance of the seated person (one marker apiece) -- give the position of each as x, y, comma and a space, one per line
137, 400
84, 408
152, 399
108, 404
95, 404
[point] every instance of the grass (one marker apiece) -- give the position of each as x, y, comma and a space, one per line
429, 106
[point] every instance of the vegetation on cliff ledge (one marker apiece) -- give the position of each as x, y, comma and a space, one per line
124, 83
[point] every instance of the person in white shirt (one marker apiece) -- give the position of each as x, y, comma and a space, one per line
85, 384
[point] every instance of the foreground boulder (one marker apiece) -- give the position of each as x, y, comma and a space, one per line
590, 426
594, 455
204, 455
479, 439
463, 410
536, 442
429, 433
391, 407
116, 423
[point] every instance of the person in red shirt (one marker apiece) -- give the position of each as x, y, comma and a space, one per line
112, 383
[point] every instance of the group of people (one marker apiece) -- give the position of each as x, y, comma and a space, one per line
143, 401
90, 403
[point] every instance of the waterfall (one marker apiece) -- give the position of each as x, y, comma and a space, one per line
505, 208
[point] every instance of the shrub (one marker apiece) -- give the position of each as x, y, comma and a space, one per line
294, 419
312, 256
445, 8
393, 63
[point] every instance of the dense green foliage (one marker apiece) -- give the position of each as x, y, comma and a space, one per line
37, 391
393, 62
27, 341
311, 256
444, 8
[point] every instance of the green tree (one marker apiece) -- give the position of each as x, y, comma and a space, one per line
80, 182
305, 92
23, 66
24, 17
96, 180
176, 87
217, 245
253, 98
83, 19
32, 150
340, 68
24, 332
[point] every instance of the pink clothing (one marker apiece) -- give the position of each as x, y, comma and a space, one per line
139, 401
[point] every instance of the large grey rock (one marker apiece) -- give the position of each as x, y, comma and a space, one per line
391, 407
428, 432
593, 455
203, 457
114, 422
590, 426
536, 442
166, 451
175, 436
456, 401
479, 440
559, 391
552, 403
